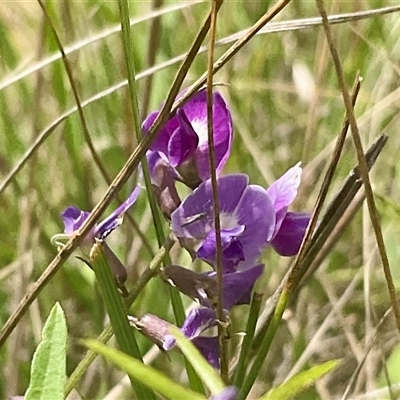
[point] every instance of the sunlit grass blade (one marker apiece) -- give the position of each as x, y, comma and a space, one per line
144, 373
301, 381
49, 361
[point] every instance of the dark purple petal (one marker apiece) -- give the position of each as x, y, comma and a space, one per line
196, 111
256, 212
229, 393
165, 133
73, 219
115, 218
237, 287
290, 235
197, 321
183, 141
200, 203
232, 249
283, 191
209, 348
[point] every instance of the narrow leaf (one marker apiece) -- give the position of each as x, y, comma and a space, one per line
144, 373
300, 381
48, 364
205, 371
116, 312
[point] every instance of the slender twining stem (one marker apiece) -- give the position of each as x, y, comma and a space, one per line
222, 328
362, 165
131, 164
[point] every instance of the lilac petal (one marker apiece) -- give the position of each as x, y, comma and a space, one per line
238, 286
197, 321
209, 348
73, 219
183, 141
114, 219
229, 393
256, 212
290, 235
283, 191
230, 190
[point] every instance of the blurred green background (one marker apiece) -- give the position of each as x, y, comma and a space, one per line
286, 106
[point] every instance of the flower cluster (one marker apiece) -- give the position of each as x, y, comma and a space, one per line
251, 217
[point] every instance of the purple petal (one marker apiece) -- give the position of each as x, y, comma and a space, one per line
290, 235
209, 348
230, 190
238, 286
73, 219
115, 218
284, 190
183, 141
257, 214
196, 110
229, 393
232, 249
164, 134
197, 321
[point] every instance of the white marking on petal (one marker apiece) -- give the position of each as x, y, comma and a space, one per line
228, 221
200, 127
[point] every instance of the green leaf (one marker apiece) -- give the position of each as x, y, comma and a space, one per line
300, 381
206, 372
144, 373
48, 365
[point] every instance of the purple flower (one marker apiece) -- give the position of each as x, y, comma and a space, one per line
237, 289
183, 140
289, 226
247, 218
74, 218
202, 287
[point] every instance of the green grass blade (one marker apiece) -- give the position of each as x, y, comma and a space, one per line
247, 340
144, 373
301, 381
116, 311
206, 372
49, 361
